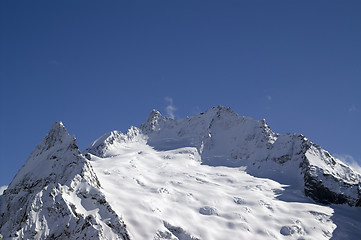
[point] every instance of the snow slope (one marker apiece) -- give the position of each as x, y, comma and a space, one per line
223, 138
147, 161
170, 195
216, 175
57, 195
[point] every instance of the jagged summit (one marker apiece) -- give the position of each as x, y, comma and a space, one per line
224, 138
221, 110
44, 162
216, 167
153, 114
202, 131
220, 137
154, 121
57, 135
54, 194
108, 144
58, 127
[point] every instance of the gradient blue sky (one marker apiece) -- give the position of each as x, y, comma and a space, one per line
104, 65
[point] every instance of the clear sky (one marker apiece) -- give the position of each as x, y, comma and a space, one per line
104, 65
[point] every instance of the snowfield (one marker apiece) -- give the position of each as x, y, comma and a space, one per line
170, 195
213, 176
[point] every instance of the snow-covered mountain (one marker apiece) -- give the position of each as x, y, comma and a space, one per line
216, 175
56, 195
223, 138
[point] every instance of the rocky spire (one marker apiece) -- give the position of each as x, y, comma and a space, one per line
154, 120
43, 162
49, 198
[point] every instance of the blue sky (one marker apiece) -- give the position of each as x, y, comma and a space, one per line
104, 65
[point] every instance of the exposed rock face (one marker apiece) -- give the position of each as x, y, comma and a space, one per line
223, 138
331, 182
56, 195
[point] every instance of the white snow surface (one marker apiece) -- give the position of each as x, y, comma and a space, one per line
170, 195
204, 177
2, 189
56, 195
223, 138
216, 175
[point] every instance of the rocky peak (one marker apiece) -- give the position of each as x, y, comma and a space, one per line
154, 120
104, 145
52, 195
57, 135
44, 162
221, 111
224, 138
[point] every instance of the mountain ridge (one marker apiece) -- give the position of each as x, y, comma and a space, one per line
63, 193
253, 144
54, 196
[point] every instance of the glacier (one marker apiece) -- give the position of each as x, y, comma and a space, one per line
215, 175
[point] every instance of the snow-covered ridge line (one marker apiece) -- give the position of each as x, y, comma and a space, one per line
103, 146
168, 194
180, 179
223, 138
57, 195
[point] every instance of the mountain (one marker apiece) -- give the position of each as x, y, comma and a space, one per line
215, 175
56, 195
223, 138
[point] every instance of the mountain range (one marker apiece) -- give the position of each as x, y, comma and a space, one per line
215, 175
